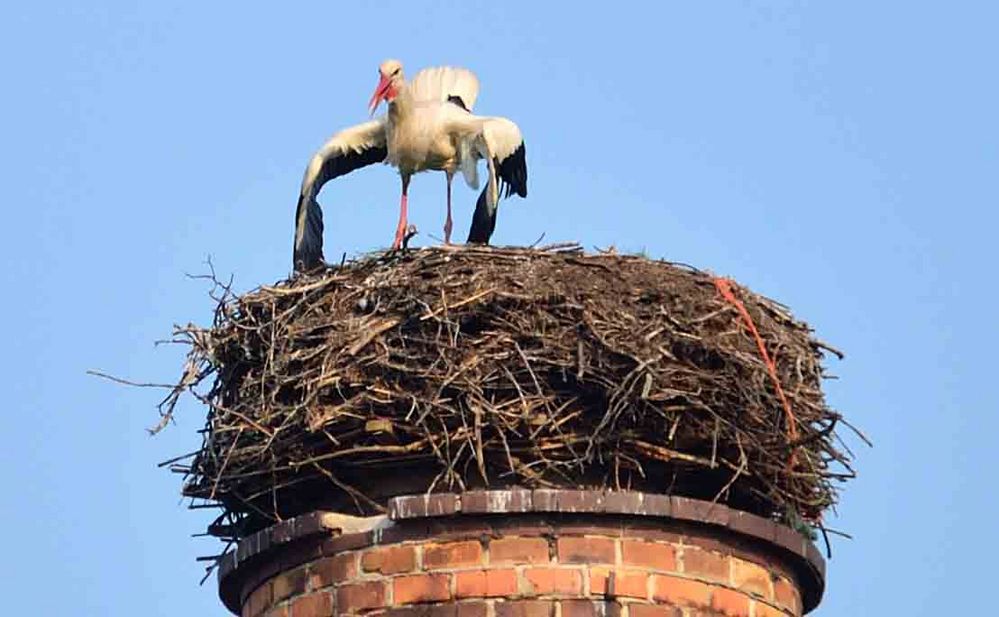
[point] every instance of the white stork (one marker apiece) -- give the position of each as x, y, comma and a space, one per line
429, 126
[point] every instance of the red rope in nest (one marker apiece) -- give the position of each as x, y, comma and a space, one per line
724, 287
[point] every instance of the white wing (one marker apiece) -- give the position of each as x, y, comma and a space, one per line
499, 142
439, 83
350, 149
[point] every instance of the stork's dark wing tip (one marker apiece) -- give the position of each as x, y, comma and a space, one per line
457, 100
308, 251
483, 220
513, 172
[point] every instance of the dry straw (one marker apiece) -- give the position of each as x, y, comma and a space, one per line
445, 369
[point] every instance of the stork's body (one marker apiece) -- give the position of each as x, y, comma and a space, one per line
428, 127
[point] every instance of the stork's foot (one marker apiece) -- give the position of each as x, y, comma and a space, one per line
402, 237
410, 232
447, 231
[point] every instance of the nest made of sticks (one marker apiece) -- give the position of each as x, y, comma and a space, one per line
461, 367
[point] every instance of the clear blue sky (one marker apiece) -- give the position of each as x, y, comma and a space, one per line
838, 156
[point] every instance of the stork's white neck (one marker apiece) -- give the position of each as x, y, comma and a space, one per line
402, 105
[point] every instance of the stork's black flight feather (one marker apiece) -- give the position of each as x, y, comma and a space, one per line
308, 251
512, 172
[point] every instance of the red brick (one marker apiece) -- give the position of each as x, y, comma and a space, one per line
312, 605
421, 588
289, 584
705, 564
525, 608
752, 578
486, 583
518, 550
452, 555
628, 584
729, 603
598, 580
554, 580
765, 610
581, 608
359, 596
390, 560
421, 610
258, 601
278, 611
786, 594
680, 591
648, 555
472, 609
653, 610
587, 550
332, 570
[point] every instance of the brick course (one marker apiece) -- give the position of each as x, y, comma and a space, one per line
574, 568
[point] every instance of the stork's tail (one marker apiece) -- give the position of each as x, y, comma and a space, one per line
308, 253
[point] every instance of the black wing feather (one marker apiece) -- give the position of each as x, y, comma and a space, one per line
308, 251
457, 100
512, 172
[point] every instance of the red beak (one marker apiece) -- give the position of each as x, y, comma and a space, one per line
381, 91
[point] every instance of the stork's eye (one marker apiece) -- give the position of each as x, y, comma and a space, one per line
396, 72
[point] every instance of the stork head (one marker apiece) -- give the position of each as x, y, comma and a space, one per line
390, 81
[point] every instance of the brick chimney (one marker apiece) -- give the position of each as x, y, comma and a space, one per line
522, 553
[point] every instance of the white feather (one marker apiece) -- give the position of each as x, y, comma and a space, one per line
437, 83
354, 139
469, 164
502, 135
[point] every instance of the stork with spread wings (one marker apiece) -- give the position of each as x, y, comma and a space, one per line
429, 126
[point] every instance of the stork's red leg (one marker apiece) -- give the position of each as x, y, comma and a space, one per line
447, 223
400, 231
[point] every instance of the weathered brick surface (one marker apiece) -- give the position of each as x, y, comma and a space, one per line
763, 610
452, 555
258, 602
586, 550
486, 583
729, 603
472, 609
518, 550
751, 578
448, 609
653, 610
332, 570
543, 568
582, 608
312, 605
391, 560
526, 608
421, 588
628, 584
289, 584
361, 595
648, 555
554, 581
422, 610
786, 595
680, 591
705, 564
619, 583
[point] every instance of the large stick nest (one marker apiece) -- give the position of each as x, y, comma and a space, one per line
455, 368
